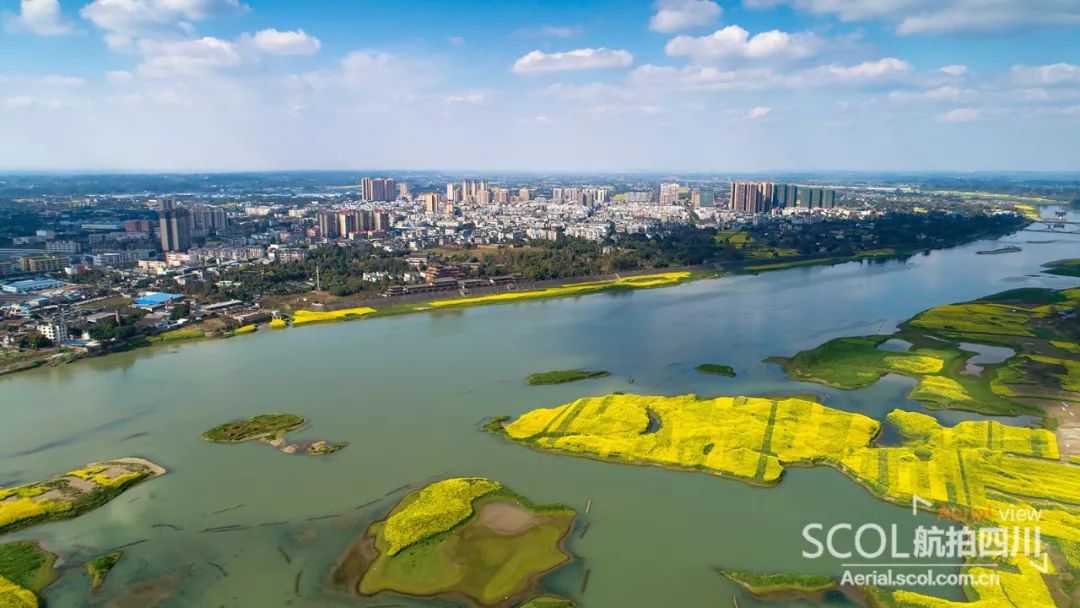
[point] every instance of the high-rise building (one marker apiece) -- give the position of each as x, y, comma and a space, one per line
502, 196
451, 192
378, 189
523, 195
669, 194
328, 224
786, 195
431, 202
207, 219
810, 197
380, 221
403, 190
174, 224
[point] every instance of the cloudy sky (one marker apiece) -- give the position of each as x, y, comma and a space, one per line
544, 85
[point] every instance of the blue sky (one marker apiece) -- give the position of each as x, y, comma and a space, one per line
600, 85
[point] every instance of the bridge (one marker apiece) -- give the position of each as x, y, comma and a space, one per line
1059, 227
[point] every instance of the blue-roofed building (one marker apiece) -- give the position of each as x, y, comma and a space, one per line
30, 285
152, 300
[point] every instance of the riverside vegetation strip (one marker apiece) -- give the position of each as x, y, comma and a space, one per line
270, 429
985, 466
466, 539
1040, 325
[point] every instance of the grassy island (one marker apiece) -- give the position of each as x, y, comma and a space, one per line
716, 369
976, 472
72, 493
771, 584
465, 538
1037, 324
563, 376
25, 570
256, 427
271, 429
99, 567
1065, 268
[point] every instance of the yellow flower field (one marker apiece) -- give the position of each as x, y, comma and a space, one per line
692, 433
14, 596
1022, 587
637, 282
278, 323
304, 317
915, 364
986, 466
244, 329
939, 389
434, 509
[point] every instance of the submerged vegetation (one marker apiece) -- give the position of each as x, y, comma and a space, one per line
72, 493
271, 429
564, 376
468, 537
99, 567
716, 369
1038, 324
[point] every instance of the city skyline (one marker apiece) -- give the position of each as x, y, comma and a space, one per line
603, 86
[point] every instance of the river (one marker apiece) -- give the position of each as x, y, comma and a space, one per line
408, 392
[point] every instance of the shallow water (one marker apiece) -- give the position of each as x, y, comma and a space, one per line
408, 394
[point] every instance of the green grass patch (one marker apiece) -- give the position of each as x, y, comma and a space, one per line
99, 567
255, 427
548, 601
716, 369
1065, 268
177, 335
767, 584
27, 565
564, 376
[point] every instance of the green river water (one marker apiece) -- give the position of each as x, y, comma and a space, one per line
408, 394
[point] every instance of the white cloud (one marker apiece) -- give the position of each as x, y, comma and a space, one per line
954, 70
709, 78
943, 16
456, 40
734, 41
758, 112
21, 102
57, 80
586, 91
538, 62
187, 57
887, 69
616, 109
550, 31
296, 42
678, 15
1056, 73
42, 17
122, 19
940, 94
961, 115
119, 77
469, 98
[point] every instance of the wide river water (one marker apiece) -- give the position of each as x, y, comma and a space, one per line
408, 394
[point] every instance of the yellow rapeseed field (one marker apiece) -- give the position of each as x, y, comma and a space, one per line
983, 466
642, 281
939, 389
278, 323
14, 596
1022, 587
692, 433
915, 364
244, 329
304, 317
434, 509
